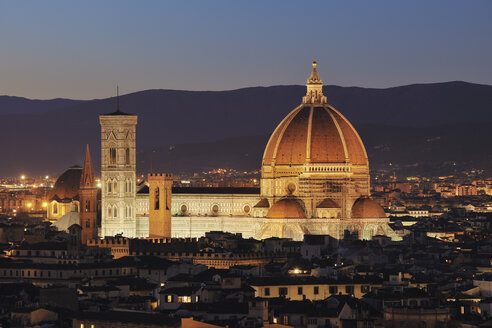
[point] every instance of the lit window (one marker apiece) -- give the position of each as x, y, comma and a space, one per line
184, 299
169, 299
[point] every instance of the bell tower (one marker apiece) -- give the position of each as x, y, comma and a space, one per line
88, 201
160, 188
118, 173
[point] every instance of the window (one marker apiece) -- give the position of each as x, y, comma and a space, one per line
88, 223
349, 289
55, 208
282, 291
115, 187
110, 187
128, 186
110, 212
299, 290
169, 298
364, 289
333, 289
115, 211
156, 198
127, 156
112, 156
316, 290
184, 299
267, 291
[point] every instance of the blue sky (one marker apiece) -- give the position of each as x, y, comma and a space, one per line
82, 49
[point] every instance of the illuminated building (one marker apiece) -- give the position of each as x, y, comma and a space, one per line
314, 180
64, 195
118, 175
88, 201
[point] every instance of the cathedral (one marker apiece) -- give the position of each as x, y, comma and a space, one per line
314, 180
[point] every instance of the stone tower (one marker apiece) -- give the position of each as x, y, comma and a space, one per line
118, 174
88, 201
160, 188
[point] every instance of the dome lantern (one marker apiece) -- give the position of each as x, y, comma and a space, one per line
314, 84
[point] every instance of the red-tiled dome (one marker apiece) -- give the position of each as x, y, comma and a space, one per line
328, 203
314, 134
67, 185
366, 208
286, 208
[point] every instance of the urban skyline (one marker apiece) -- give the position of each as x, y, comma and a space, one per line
287, 206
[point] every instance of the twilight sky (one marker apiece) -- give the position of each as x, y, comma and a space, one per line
82, 49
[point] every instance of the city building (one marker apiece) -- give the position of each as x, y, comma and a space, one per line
315, 180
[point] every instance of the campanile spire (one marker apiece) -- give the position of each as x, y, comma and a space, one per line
87, 178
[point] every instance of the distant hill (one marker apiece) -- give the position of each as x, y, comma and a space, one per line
19, 105
428, 151
48, 141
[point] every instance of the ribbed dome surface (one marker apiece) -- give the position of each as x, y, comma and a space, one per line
314, 134
366, 208
286, 208
67, 185
328, 203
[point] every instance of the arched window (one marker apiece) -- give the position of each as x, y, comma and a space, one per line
156, 198
115, 211
112, 156
115, 187
167, 200
127, 156
110, 186
88, 223
110, 212
55, 208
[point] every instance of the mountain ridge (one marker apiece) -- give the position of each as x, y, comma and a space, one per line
53, 139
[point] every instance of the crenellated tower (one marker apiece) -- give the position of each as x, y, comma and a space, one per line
88, 201
160, 189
